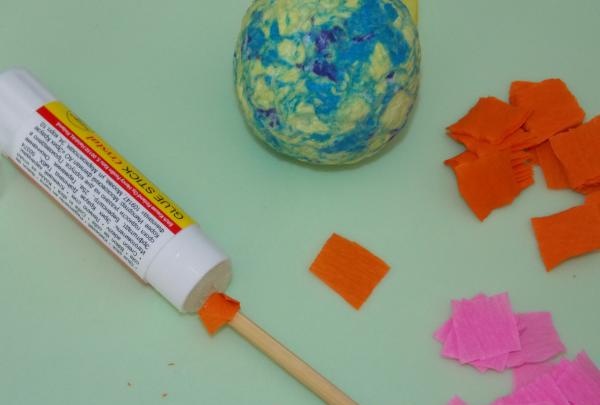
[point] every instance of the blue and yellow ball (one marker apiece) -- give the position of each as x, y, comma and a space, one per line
327, 82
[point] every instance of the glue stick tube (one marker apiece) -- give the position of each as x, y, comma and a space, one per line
108, 195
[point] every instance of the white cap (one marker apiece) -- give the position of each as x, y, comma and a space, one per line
20, 95
187, 269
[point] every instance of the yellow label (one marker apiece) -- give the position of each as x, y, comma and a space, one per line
117, 167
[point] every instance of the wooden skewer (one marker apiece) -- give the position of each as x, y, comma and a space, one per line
291, 363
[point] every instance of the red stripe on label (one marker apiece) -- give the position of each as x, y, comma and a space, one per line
108, 169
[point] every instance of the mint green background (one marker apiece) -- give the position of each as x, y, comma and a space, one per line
154, 77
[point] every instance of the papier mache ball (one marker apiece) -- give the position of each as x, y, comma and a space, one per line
328, 82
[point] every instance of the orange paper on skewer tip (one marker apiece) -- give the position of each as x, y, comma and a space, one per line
349, 269
218, 310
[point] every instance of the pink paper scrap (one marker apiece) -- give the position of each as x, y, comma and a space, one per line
575, 382
543, 388
527, 373
539, 340
485, 327
533, 332
443, 331
450, 347
497, 363
580, 381
457, 401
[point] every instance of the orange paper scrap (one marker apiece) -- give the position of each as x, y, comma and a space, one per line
519, 85
464, 157
487, 183
568, 234
593, 198
554, 173
579, 152
522, 140
515, 142
349, 269
474, 145
495, 141
555, 109
590, 189
522, 169
541, 125
218, 311
491, 120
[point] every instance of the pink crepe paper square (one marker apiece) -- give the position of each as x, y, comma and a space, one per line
485, 327
529, 372
538, 403
521, 324
445, 334
450, 347
560, 368
457, 401
441, 334
499, 402
497, 363
539, 339
586, 364
542, 389
580, 381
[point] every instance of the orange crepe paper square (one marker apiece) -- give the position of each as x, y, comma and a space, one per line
519, 85
554, 173
487, 183
218, 311
571, 233
579, 152
522, 140
514, 143
520, 162
522, 169
475, 145
517, 141
491, 120
534, 157
349, 269
520, 157
589, 189
586, 190
555, 108
457, 160
593, 198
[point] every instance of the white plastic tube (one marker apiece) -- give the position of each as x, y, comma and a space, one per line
126, 212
